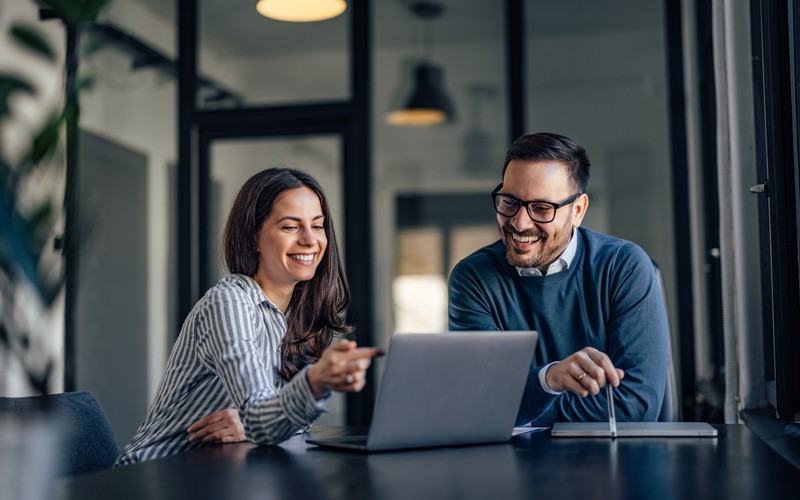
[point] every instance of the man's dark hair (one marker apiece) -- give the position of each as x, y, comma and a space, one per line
545, 146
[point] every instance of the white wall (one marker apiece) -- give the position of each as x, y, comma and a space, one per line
608, 91
137, 109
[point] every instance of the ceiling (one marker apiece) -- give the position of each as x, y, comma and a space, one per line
233, 26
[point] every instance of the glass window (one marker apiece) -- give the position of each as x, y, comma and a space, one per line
596, 72
419, 289
246, 59
466, 239
434, 232
426, 178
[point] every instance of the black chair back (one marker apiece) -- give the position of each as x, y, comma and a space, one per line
89, 444
670, 407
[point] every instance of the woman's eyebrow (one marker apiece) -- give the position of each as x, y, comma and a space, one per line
295, 218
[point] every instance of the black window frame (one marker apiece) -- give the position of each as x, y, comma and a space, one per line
776, 75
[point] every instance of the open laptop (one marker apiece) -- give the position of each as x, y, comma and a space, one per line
634, 429
441, 389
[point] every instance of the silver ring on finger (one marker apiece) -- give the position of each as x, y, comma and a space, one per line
348, 379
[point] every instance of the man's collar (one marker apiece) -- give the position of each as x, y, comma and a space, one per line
561, 263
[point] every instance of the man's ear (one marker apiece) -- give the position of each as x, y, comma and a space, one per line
579, 207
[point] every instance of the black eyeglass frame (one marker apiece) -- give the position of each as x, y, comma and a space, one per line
522, 203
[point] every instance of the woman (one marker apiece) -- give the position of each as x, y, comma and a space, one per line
260, 340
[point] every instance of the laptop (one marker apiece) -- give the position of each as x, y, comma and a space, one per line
443, 389
633, 429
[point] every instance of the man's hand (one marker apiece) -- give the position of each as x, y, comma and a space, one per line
583, 373
220, 427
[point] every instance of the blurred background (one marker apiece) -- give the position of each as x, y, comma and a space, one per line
189, 98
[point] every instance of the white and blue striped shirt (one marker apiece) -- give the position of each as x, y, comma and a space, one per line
227, 354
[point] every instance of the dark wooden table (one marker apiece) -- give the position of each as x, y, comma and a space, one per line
736, 464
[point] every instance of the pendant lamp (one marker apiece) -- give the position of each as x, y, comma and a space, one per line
300, 11
428, 104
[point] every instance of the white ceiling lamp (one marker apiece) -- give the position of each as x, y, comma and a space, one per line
300, 11
428, 103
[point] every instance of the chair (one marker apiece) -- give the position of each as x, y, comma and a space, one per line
670, 407
89, 443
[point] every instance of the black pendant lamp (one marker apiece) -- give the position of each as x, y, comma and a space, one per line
428, 103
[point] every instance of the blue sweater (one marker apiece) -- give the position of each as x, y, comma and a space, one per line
608, 298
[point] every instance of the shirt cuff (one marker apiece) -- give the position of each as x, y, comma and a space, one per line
298, 401
320, 404
543, 380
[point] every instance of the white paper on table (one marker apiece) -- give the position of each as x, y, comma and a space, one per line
527, 428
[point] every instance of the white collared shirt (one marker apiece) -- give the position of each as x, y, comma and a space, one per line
561, 263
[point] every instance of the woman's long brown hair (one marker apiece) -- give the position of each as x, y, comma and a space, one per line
315, 314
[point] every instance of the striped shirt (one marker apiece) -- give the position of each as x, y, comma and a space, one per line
226, 355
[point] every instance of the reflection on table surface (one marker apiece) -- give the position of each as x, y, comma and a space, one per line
734, 465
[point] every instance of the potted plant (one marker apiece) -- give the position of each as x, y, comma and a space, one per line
35, 104
32, 182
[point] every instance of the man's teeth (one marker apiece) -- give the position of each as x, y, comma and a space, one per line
303, 257
526, 239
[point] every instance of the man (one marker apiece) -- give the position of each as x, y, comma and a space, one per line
594, 299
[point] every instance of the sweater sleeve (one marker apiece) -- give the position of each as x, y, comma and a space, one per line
229, 345
468, 305
636, 336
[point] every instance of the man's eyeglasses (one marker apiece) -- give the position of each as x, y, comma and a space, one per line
540, 211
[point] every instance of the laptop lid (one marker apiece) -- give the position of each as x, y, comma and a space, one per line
634, 429
453, 388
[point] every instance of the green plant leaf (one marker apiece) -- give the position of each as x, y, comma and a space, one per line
92, 43
85, 83
46, 141
39, 380
24, 237
13, 247
10, 84
75, 12
3, 336
32, 40
6, 174
38, 227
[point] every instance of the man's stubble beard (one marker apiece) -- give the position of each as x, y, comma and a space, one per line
545, 256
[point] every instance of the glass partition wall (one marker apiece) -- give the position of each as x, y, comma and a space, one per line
248, 60
432, 183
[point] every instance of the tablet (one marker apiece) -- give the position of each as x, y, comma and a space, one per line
634, 429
